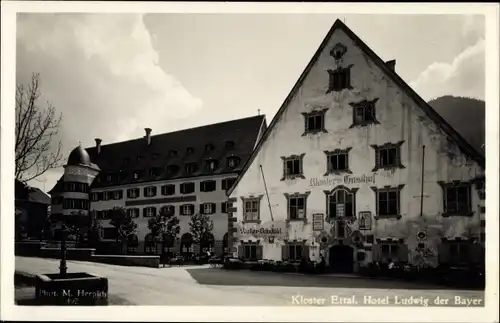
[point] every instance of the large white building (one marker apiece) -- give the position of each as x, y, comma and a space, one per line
186, 172
357, 167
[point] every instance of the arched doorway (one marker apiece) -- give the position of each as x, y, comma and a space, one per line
341, 259
225, 245
132, 243
187, 245
207, 243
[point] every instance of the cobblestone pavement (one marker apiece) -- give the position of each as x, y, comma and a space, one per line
201, 285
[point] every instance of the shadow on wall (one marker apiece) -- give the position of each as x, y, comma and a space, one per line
210, 276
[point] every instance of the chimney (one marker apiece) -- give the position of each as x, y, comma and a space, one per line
148, 135
98, 145
391, 64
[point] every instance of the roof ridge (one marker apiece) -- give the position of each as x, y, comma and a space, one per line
463, 145
180, 130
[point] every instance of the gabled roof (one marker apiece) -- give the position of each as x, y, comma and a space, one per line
230, 138
27, 193
463, 145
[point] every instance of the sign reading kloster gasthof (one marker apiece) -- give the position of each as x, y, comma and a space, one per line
261, 231
346, 179
275, 229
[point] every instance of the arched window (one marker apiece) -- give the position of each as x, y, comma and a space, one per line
341, 202
149, 244
132, 243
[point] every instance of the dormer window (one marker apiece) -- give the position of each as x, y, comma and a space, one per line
126, 161
211, 165
190, 168
172, 153
189, 150
233, 162
109, 178
229, 145
154, 172
209, 147
137, 175
340, 79
172, 170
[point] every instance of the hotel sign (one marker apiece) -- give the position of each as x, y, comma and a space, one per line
318, 222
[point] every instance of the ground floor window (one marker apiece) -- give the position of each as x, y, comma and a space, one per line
389, 251
292, 252
250, 252
149, 244
132, 243
459, 252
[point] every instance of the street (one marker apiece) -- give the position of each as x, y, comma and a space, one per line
201, 285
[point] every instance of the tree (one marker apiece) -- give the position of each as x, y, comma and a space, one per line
165, 225
123, 222
95, 230
35, 131
200, 226
77, 224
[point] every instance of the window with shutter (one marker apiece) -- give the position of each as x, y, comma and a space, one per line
293, 167
388, 156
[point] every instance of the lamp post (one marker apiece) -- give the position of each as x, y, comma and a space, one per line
62, 267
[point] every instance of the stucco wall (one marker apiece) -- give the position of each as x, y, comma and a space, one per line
218, 196
400, 120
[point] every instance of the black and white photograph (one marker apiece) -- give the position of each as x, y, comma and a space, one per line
223, 161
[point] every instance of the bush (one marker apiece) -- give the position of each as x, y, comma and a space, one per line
233, 264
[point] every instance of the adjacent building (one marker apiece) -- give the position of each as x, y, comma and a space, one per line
356, 167
32, 211
184, 172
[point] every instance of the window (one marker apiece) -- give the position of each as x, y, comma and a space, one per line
296, 206
106, 196
109, 178
233, 162
227, 183
154, 172
76, 187
133, 212
340, 229
117, 195
457, 198
94, 197
132, 243
388, 156
57, 200
207, 186
150, 191
172, 153
149, 244
136, 175
209, 147
339, 79
190, 168
223, 207
133, 193
341, 202
363, 113
389, 251
251, 210
149, 212
211, 165
172, 170
314, 122
168, 209
294, 252
187, 188
337, 161
250, 252
189, 150
168, 189
388, 202
459, 252
292, 167
187, 209
75, 204
207, 208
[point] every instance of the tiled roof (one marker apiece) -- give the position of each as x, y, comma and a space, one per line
231, 138
27, 193
462, 144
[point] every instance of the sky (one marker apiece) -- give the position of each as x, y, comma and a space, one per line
112, 75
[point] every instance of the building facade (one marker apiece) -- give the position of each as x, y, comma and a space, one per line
355, 167
32, 211
185, 172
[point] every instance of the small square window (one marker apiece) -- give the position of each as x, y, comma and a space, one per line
292, 167
388, 156
457, 199
340, 79
338, 161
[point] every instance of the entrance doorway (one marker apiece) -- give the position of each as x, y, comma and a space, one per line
341, 259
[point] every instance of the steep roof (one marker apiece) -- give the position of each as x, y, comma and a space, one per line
27, 193
463, 145
230, 138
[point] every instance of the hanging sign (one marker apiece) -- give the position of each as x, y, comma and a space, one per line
340, 210
318, 222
